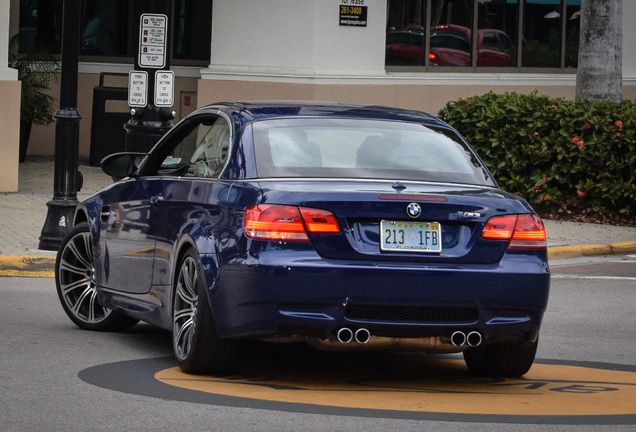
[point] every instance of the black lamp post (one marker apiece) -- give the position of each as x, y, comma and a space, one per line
67, 180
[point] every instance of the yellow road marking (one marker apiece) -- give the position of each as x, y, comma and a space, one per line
545, 390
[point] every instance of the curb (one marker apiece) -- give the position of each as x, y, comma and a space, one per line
575, 251
27, 266
44, 267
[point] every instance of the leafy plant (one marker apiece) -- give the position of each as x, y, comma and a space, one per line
554, 152
36, 71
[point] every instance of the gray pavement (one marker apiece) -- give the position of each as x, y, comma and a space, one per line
22, 214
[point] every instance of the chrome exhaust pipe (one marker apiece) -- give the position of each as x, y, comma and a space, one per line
458, 338
474, 339
345, 335
362, 336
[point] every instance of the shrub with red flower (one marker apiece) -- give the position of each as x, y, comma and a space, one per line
618, 124
586, 125
544, 180
536, 188
576, 140
581, 193
617, 134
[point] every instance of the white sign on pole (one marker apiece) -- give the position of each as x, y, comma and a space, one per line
138, 88
152, 40
164, 88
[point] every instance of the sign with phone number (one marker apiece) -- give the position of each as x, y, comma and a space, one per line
353, 13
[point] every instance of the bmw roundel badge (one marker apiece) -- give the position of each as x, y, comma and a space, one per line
414, 210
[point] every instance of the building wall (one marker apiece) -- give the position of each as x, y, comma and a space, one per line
347, 63
10, 136
9, 109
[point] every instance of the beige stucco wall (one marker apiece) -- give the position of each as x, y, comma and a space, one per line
42, 140
10, 136
428, 98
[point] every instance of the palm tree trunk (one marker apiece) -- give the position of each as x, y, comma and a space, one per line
600, 68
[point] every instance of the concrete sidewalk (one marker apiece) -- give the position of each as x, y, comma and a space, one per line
22, 216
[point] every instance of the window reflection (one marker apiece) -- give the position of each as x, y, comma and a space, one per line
497, 34
105, 28
40, 26
451, 21
572, 28
542, 33
405, 33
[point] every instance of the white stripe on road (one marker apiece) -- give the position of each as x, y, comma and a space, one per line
592, 277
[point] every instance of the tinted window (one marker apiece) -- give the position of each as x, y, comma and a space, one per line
339, 148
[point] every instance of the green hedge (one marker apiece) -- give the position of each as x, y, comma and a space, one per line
554, 152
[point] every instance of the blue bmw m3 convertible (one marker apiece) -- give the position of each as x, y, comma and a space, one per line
346, 226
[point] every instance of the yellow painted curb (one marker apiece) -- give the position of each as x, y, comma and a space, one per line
561, 252
27, 266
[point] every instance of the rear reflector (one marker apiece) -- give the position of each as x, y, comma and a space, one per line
523, 231
287, 223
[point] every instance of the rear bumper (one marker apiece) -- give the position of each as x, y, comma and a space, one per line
311, 296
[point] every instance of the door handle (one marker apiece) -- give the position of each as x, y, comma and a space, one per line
155, 200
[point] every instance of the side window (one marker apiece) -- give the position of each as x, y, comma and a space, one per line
201, 153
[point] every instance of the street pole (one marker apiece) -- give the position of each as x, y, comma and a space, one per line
67, 179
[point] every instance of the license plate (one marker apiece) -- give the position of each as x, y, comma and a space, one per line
400, 236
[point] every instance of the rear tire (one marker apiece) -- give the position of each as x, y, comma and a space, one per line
501, 360
197, 346
76, 287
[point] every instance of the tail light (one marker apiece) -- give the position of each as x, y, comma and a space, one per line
523, 231
432, 57
288, 223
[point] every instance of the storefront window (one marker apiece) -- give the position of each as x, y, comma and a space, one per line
573, 26
40, 26
497, 34
107, 28
450, 40
542, 33
192, 29
446, 37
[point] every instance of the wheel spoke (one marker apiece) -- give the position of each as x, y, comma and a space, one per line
187, 296
184, 313
66, 266
81, 283
183, 338
80, 300
82, 259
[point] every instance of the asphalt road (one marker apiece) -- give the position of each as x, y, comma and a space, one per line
55, 377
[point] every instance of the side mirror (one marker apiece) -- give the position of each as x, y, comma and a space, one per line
121, 165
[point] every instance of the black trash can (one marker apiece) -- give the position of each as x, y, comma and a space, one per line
108, 135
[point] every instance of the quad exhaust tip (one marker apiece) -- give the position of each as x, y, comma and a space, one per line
345, 335
473, 339
362, 336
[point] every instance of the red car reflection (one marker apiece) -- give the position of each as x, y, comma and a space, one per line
450, 46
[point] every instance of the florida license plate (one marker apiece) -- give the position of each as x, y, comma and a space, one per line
400, 236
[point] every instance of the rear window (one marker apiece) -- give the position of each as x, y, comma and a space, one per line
370, 149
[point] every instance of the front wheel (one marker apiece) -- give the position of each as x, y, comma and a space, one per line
501, 360
76, 288
197, 347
